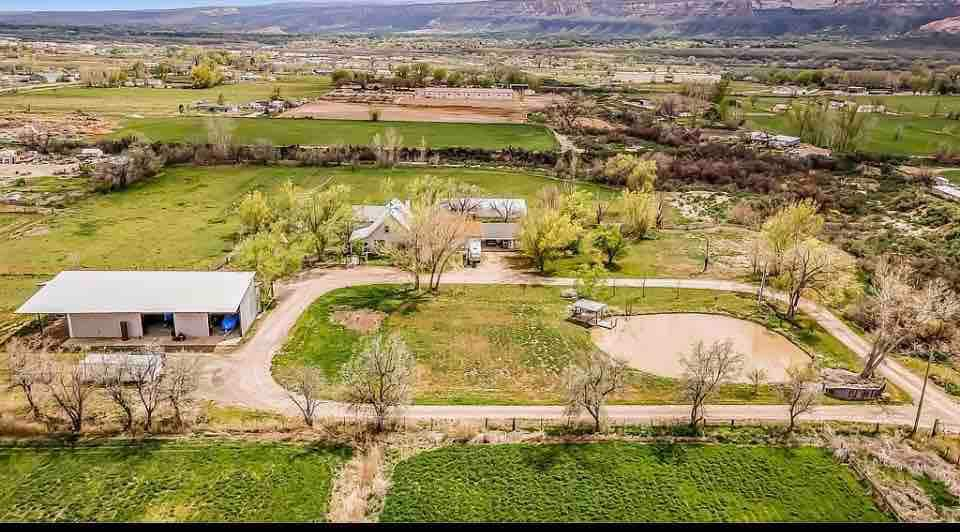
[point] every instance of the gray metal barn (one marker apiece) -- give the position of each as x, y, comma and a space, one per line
135, 304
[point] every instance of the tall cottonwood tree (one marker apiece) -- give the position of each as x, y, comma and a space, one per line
705, 369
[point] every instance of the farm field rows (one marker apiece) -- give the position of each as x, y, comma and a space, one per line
124, 101
626, 482
287, 131
508, 345
151, 481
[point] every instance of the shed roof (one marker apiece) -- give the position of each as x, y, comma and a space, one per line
589, 305
86, 292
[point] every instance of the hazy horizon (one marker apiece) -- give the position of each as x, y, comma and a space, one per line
135, 5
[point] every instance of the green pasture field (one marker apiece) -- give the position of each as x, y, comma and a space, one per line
125, 101
152, 481
287, 131
624, 482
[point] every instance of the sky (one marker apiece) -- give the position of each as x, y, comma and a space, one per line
101, 5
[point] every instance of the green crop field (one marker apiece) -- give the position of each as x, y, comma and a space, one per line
124, 101
918, 136
211, 481
286, 131
626, 482
953, 176
509, 344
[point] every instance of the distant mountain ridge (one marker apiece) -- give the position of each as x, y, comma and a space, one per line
604, 18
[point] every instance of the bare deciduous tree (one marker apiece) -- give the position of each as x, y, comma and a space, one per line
807, 267
381, 377
757, 377
799, 392
587, 386
567, 113
304, 386
506, 209
70, 388
28, 371
114, 381
446, 234
704, 370
897, 311
181, 380
149, 386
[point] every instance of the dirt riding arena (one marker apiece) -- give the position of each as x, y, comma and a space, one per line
657, 343
423, 110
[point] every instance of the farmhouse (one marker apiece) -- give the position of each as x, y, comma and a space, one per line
383, 223
138, 304
8, 157
91, 153
497, 225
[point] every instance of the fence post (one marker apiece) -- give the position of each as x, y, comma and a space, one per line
933, 433
541, 424
514, 425
731, 423
484, 423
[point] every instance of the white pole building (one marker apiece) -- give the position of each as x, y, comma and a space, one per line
121, 304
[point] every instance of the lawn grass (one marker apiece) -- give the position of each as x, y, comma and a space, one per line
152, 481
945, 374
509, 344
920, 135
952, 175
286, 131
626, 482
124, 101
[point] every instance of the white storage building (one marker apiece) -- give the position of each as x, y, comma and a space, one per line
133, 304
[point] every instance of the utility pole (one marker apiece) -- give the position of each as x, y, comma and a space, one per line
923, 391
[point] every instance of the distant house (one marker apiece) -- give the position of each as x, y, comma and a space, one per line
856, 90
774, 141
91, 153
870, 108
135, 304
155, 83
780, 108
8, 156
47, 77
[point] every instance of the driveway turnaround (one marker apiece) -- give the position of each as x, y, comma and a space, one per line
243, 377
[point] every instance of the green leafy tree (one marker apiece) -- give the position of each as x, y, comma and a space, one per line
545, 234
639, 214
325, 215
272, 255
631, 171
255, 213
609, 240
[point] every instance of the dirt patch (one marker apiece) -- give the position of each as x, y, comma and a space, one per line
72, 126
657, 343
362, 320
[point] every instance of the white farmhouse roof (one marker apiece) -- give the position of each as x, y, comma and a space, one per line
86, 292
395, 209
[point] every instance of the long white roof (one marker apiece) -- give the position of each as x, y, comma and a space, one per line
85, 292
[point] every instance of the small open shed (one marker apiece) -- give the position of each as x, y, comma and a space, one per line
590, 313
128, 367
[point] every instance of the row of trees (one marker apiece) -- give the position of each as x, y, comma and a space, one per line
137, 390
424, 74
278, 232
920, 78
842, 130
